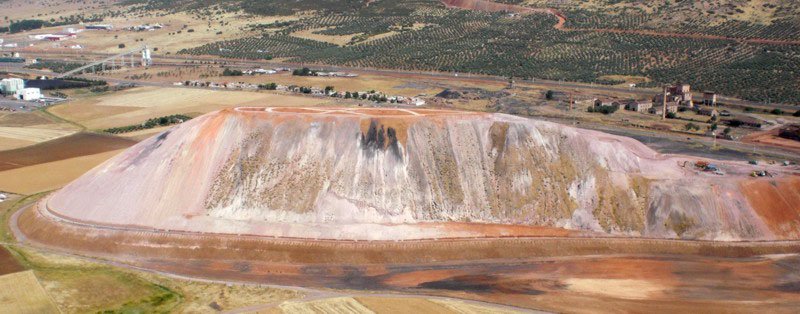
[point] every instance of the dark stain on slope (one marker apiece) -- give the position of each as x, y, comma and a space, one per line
380, 138
150, 148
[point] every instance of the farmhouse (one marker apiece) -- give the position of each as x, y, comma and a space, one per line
671, 107
708, 112
605, 102
639, 105
709, 98
743, 121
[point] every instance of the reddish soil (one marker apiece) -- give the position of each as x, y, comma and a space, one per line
525, 272
770, 137
80, 144
8, 264
777, 201
489, 6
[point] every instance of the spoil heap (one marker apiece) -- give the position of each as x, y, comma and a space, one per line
410, 174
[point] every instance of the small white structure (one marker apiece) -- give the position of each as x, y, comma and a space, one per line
30, 93
11, 85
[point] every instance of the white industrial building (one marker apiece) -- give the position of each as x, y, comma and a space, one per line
29, 93
10, 86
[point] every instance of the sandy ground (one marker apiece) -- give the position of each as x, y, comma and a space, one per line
51, 175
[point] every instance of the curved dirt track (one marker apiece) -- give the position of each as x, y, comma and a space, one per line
490, 6
548, 273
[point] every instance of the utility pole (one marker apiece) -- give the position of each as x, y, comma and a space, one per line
570, 102
664, 104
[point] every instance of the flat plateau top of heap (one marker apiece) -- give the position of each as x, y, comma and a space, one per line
363, 112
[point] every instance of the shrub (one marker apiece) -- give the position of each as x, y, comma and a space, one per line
229, 72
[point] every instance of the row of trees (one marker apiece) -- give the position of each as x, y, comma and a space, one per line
150, 123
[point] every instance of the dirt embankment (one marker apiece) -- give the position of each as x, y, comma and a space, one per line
777, 201
770, 137
76, 145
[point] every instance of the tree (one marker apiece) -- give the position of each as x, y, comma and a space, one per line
672, 115
691, 126
121, 46
796, 113
328, 89
229, 72
713, 127
776, 111
548, 95
727, 130
347, 95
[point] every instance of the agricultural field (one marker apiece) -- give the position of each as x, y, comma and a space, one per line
20, 129
136, 105
21, 293
50, 175
530, 45
79, 144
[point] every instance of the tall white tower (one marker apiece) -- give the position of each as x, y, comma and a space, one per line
146, 59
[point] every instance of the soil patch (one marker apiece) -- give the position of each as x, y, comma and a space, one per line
8, 264
76, 145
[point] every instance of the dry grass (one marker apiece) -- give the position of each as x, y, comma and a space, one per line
332, 305
402, 305
21, 293
204, 297
81, 286
51, 175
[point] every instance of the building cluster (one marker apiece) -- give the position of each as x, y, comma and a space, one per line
145, 27
60, 36
16, 88
336, 74
314, 91
260, 71
673, 99
104, 27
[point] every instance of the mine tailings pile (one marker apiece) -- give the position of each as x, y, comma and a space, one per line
382, 174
